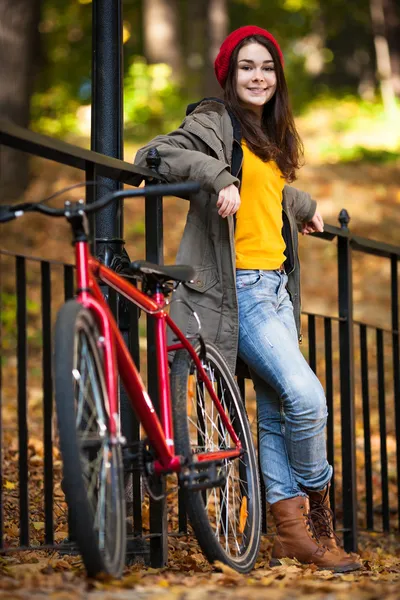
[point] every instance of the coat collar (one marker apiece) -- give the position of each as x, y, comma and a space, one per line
218, 105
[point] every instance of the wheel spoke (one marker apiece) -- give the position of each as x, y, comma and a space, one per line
224, 505
96, 458
225, 516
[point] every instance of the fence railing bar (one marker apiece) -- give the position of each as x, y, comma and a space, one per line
374, 247
68, 282
372, 326
154, 253
201, 430
329, 402
366, 426
241, 385
68, 154
264, 524
1, 412
382, 429
312, 345
136, 477
135, 425
32, 258
22, 400
182, 516
224, 490
348, 432
47, 402
320, 316
396, 366
359, 243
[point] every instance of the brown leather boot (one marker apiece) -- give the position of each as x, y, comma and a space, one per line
296, 538
322, 518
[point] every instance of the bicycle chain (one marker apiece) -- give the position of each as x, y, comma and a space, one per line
145, 478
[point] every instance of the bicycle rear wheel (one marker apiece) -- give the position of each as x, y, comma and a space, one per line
93, 466
226, 519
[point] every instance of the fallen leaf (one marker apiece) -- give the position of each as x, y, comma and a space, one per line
226, 569
9, 485
290, 562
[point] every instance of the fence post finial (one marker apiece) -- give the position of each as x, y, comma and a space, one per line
344, 219
153, 159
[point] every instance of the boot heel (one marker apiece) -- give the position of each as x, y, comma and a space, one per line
275, 562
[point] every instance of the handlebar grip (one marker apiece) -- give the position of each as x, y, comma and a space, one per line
7, 214
170, 189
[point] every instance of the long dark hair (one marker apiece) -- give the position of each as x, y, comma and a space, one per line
276, 138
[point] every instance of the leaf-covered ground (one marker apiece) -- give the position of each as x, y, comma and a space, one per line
371, 195
189, 577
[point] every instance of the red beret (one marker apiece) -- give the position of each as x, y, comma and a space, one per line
221, 64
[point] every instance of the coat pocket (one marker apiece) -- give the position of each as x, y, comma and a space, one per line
205, 279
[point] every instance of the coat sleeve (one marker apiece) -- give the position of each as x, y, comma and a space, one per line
303, 205
184, 156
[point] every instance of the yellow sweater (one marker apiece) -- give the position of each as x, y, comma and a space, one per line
258, 235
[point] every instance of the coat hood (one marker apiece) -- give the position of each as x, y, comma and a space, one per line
207, 101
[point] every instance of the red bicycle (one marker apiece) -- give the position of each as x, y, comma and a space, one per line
202, 435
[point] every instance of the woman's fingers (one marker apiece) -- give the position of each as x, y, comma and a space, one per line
317, 221
316, 224
225, 202
228, 201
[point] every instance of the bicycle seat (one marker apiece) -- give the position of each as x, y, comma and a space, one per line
163, 272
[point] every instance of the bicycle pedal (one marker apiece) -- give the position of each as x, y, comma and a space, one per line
202, 477
130, 459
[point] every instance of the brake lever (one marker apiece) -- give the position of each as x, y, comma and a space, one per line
7, 214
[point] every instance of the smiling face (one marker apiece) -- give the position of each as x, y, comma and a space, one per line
256, 77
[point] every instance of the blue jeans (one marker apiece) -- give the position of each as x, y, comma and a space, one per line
291, 403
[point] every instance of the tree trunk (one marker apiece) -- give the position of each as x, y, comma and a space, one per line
207, 25
196, 49
217, 32
392, 21
382, 55
19, 22
162, 35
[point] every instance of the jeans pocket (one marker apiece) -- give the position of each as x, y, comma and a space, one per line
247, 279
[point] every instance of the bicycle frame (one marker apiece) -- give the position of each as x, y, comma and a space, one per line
117, 359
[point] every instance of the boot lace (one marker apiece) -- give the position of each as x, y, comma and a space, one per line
310, 525
322, 518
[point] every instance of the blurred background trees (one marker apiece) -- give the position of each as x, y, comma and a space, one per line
333, 49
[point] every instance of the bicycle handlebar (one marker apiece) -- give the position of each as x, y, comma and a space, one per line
9, 212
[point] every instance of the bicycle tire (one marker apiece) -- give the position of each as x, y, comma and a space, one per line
192, 419
92, 462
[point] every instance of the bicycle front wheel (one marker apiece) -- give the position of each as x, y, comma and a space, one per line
92, 461
227, 518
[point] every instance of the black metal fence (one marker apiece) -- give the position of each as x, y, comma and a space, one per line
336, 337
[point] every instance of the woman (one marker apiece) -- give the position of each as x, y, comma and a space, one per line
241, 235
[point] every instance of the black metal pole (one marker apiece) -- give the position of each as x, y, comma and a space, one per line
329, 403
349, 491
107, 138
47, 402
382, 429
107, 112
154, 253
22, 358
396, 365
367, 427
107, 125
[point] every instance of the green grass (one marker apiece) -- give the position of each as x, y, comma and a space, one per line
350, 130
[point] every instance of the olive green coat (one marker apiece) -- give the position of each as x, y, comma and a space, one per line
201, 150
